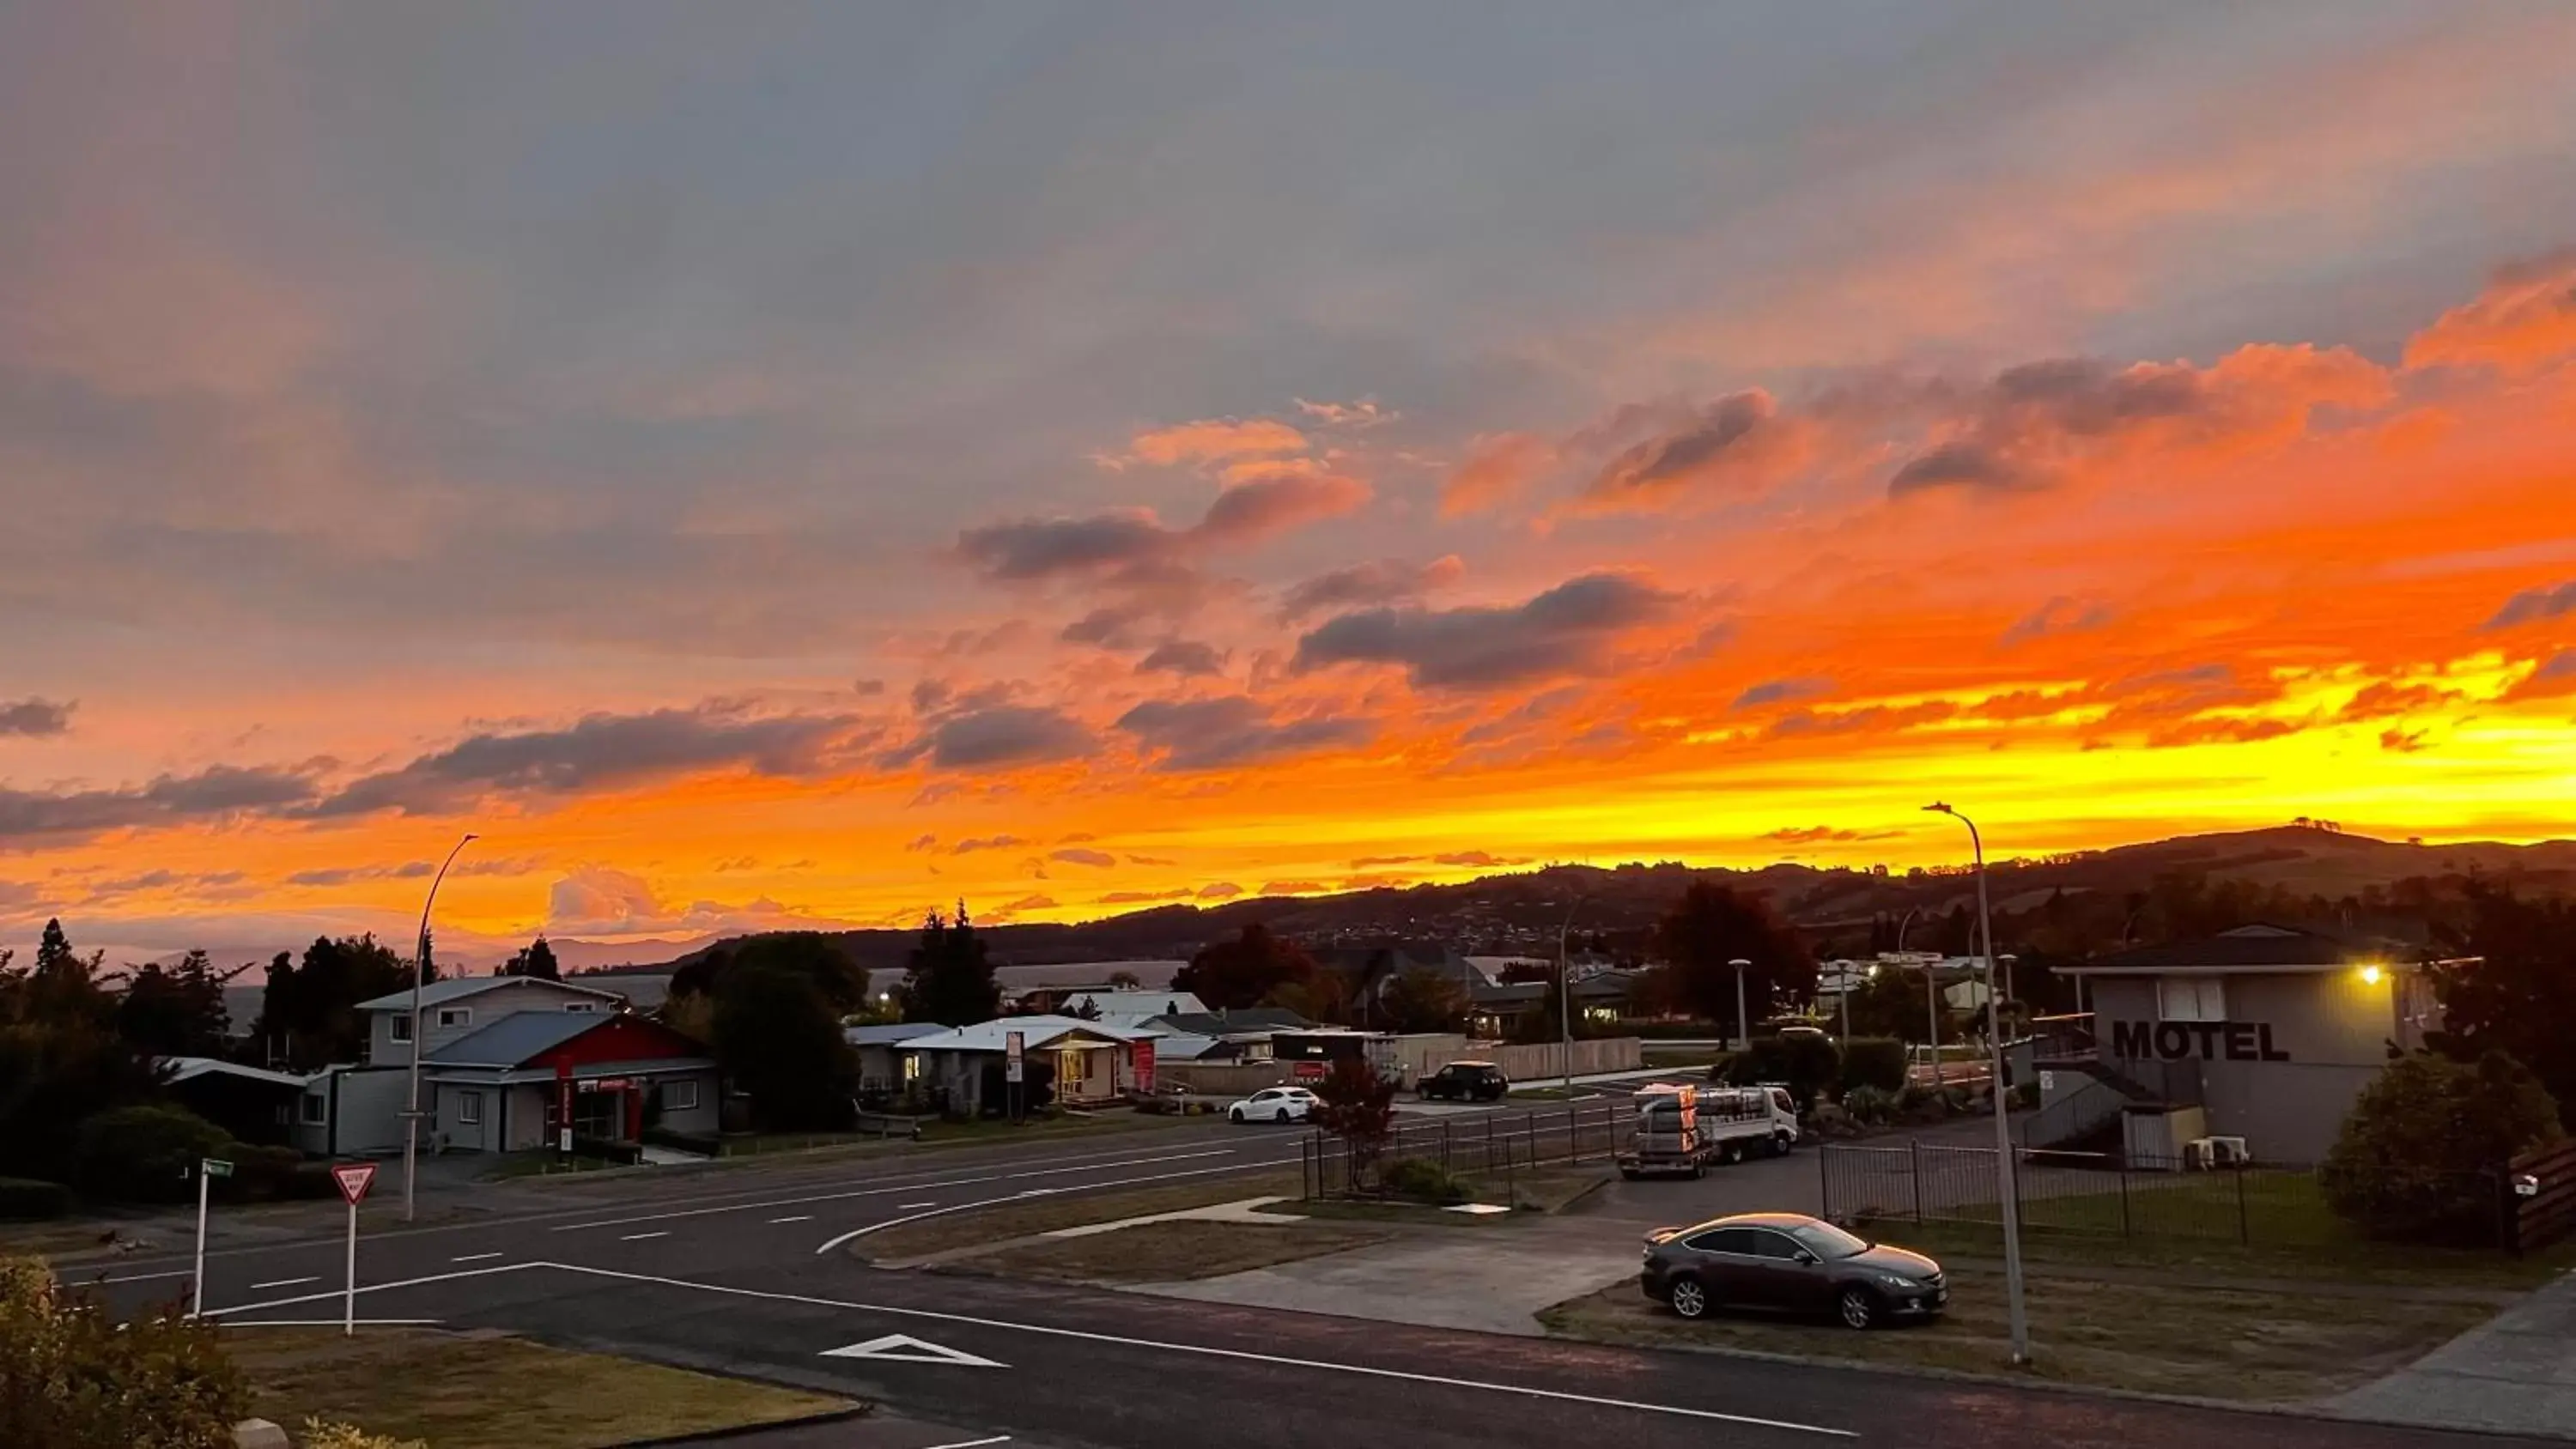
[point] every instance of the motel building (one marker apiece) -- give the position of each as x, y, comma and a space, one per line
2252, 1044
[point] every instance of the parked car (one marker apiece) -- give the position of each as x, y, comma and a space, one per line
1466, 1082
1273, 1104
1789, 1263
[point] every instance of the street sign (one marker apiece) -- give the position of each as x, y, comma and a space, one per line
1012, 1069
904, 1348
215, 1167
354, 1179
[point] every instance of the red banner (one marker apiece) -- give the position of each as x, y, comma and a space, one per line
1142, 1053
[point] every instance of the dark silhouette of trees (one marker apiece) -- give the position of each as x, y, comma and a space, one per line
2518, 995
309, 1011
1244, 971
778, 1038
950, 979
61, 1060
173, 1012
1420, 1000
536, 959
1711, 926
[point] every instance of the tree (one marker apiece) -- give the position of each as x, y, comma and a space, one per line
78, 1376
61, 1059
1323, 998
1088, 1011
2516, 991
536, 959
2416, 1157
1244, 971
1895, 1003
1421, 1000
1356, 1105
949, 980
311, 1010
1125, 981
178, 1012
779, 1040
1711, 926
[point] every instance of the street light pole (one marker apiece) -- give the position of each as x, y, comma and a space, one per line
419, 970
1565, 998
1931, 997
2006, 1178
1743, 1022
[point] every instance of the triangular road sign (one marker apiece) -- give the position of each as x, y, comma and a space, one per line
354, 1179
904, 1348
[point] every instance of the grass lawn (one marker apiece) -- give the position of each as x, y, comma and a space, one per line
1173, 1251
2347, 1259
1532, 1191
1655, 1055
2258, 1346
941, 1133
2267, 1209
454, 1389
1043, 1214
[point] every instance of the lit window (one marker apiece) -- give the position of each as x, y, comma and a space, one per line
2191, 998
469, 1109
679, 1096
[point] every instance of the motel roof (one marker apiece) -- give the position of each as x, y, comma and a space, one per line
2254, 950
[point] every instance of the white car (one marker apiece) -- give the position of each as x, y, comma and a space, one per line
1273, 1104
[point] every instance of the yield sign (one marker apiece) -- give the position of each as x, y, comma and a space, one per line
904, 1348
354, 1179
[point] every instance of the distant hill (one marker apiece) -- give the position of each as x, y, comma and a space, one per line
1523, 910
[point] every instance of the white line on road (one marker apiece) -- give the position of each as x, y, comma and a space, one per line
473, 1257
799, 1218
639, 1237
284, 1283
974, 1443
333, 1323
905, 1207
855, 1233
335, 1295
145, 1277
901, 1187
1210, 1351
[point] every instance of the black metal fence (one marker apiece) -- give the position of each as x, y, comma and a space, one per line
1495, 1145
2265, 1204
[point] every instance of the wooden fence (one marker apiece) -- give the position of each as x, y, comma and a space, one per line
2548, 1213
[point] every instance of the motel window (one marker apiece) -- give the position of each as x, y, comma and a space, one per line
449, 1016
679, 1096
2191, 998
317, 1109
402, 1027
469, 1109
912, 1068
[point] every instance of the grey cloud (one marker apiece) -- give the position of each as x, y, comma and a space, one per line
1728, 431
2531, 606
2087, 395
1006, 735
347, 875
1097, 858
1043, 548
1954, 465
1224, 890
2060, 615
987, 842
1183, 657
36, 718
1380, 581
1567, 630
1209, 734
1251, 511
1778, 691
601, 751
219, 792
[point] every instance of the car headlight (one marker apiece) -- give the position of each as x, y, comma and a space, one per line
1895, 1282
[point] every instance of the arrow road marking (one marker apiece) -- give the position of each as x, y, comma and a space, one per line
904, 1348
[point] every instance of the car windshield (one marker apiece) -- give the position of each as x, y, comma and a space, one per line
1827, 1241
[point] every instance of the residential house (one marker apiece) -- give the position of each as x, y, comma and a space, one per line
1130, 1009
883, 1064
1603, 998
1044, 988
459, 1005
518, 1082
1241, 1034
253, 1105
1093, 1063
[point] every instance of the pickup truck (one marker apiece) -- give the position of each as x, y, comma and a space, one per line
1682, 1129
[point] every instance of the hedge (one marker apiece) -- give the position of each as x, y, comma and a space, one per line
22, 1198
144, 1153
1874, 1061
1807, 1063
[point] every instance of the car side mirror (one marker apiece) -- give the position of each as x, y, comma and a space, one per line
1807, 1259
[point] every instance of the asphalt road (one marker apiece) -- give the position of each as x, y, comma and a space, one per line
746, 1274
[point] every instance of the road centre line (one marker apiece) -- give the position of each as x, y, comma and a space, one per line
640, 1237
1210, 1351
905, 1207
974, 1443
285, 1283
141, 1277
336, 1294
1016, 1197
798, 1218
887, 1191
472, 1257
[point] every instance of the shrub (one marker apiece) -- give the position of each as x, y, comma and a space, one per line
1423, 1180
2415, 1158
2023, 1097
24, 1197
318, 1435
1874, 1061
144, 1153
1805, 1063
76, 1377
1872, 1105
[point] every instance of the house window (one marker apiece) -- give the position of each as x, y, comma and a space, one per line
2191, 998
453, 1016
317, 1109
581, 1008
679, 1096
469, 1109
402, 1027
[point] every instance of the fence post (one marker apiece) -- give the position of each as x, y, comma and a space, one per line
1914, 1147
2124, 1197
1489, 1144
1824, 1182
2244, 1229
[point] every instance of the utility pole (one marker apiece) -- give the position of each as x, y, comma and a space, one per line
2006, 1178
411, 1118
1743, 1022
1565, 998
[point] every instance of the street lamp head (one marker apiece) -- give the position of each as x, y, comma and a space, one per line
1739, 962
1938, 807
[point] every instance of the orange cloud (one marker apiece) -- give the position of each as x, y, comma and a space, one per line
1214, 439
2524, 321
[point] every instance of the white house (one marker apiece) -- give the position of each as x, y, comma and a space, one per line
1094, 1062
461, 1005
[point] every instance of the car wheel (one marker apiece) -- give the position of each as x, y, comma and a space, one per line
1282, 1117
1235, 1116
1731, 1153
1858, 1307
1689, 1300
1782, 1144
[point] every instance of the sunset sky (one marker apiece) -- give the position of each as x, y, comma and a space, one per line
762, 465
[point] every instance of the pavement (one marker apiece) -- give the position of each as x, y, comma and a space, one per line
2515, 1371
1463, 1278
749, 1272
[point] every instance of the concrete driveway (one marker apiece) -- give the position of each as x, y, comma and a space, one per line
2514, 1375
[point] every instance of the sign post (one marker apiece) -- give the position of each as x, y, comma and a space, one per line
1013, 1070
208, 1169
354, 1179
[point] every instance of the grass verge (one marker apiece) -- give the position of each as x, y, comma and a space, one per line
1021, 1219
1535, 1191
456, 1389
2351, 1260
1173, 1251
2252, 1346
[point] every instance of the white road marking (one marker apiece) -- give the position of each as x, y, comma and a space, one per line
639, 1237
901, 1187
904, 1348
335, 1295
1015, 1197
905, 1207
333, 1323
284, 1283
473, 1257
799, 1218
1210, 1351
145, 1277
974, 1443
